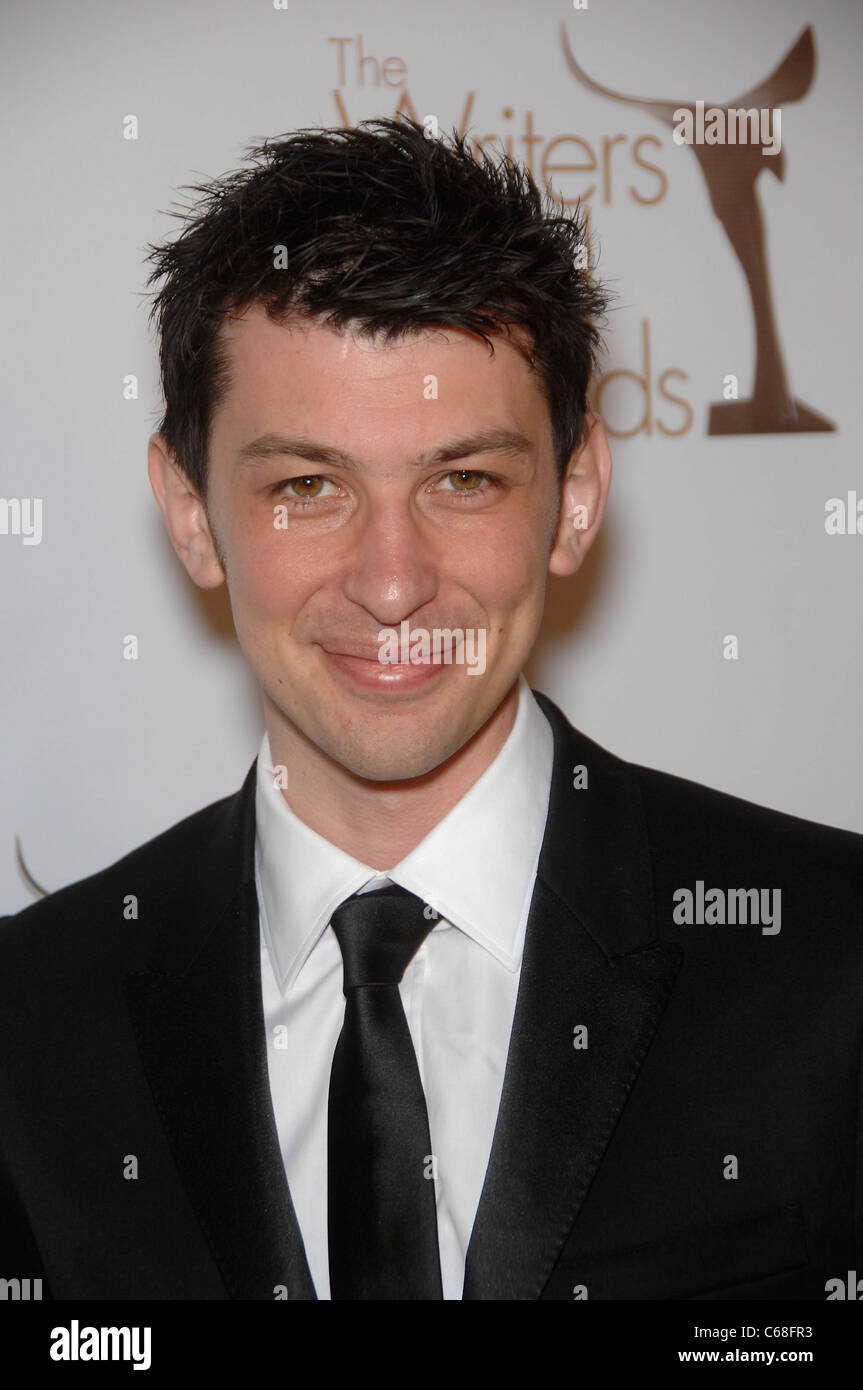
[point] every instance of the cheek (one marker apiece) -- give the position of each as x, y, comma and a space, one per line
507, 567
268, 579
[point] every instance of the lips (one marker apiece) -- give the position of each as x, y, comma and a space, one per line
363, 651
359, 666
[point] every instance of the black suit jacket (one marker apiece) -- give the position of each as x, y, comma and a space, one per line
710, 1050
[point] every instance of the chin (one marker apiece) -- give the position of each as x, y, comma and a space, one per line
383, 757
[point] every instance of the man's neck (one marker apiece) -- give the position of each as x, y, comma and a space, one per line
380, 822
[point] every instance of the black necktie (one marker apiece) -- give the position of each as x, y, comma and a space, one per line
381, 1215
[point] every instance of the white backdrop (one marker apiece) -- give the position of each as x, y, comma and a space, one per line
706, 536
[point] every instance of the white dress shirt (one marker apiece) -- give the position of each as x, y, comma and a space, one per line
476, 867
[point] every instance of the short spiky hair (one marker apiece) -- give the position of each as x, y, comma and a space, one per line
387, 231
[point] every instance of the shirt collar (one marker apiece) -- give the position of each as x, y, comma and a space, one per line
476, 867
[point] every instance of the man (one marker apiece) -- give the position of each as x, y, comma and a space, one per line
447, 1001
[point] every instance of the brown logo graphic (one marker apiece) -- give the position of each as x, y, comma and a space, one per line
35, 887
730, 171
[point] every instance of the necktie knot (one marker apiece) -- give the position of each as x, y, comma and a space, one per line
378, 934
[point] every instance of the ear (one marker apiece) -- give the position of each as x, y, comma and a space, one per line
583, 496
185, 516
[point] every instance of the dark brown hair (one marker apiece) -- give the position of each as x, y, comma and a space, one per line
384, 229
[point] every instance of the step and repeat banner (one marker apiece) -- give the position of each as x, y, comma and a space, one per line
714, 630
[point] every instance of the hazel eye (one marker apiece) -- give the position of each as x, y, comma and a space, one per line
466, 479
309, 486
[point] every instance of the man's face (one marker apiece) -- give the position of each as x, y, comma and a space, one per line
436, 505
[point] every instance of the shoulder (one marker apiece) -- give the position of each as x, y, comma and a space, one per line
732, 877
110, 916
702, 821
691, 816
694, 833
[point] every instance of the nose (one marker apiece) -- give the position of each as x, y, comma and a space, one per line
391, 572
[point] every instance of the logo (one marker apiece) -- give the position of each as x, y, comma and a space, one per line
730, 170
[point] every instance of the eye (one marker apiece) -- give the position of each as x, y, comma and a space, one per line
465, 480
303, 489
309, 486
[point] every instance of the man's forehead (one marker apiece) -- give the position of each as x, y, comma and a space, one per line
252, 329
354, 393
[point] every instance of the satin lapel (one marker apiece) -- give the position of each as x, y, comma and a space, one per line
591, 961
198, 1019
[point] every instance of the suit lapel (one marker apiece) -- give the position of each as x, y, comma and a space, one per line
198, 1020
592, 961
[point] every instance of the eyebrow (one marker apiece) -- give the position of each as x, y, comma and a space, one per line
493, 441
